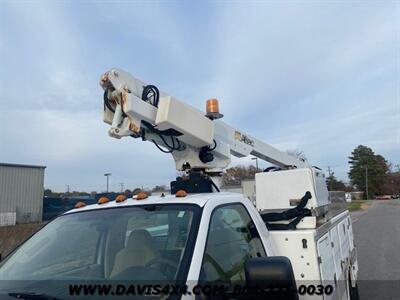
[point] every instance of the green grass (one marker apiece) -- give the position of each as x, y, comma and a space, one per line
355, 205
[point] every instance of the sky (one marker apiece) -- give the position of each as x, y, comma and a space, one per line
319, 77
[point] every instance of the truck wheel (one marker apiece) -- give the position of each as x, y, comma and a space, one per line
353, 292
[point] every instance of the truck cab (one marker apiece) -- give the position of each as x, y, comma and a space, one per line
197, 241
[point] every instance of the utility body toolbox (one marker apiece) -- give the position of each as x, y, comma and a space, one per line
326, 253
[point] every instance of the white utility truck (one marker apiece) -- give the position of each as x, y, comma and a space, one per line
291, 244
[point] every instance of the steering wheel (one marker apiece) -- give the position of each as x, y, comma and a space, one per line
169, 264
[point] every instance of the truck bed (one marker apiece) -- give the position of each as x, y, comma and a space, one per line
322, 255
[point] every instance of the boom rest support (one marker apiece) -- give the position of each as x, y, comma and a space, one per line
295, 214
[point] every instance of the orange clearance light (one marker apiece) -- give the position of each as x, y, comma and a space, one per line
141, 196
181, 193
120, 198
103, 200
212, 109
80, 204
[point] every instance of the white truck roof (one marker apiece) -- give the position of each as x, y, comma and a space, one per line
198, 199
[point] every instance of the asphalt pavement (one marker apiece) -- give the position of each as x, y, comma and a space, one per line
377, 239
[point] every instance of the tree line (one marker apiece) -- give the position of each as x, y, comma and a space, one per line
367, 172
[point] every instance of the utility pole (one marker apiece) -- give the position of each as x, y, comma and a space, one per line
330, 179
107, 175
256, 159
366, 181
67, 189
122, 187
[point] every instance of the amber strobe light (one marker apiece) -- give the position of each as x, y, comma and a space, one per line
212, 109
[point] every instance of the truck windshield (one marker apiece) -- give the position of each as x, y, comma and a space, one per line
149, 242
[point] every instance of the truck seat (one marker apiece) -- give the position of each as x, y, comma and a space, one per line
140, 249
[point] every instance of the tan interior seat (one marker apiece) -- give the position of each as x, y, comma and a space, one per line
140, 249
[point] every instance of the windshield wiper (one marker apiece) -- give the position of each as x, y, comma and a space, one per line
32, 296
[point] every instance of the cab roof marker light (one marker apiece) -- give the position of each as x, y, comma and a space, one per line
80, 204
120, 198
103, 200
180, 194
141, 196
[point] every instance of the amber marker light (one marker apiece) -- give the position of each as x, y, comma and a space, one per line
141, 196
180, 194
80, 204
103, 200
120, 198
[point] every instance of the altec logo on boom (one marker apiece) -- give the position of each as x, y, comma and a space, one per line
243, 138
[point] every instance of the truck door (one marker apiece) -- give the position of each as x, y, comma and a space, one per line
232, 239
337, 255
327, 264
344, 240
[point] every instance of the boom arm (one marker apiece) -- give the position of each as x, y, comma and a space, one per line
196, 141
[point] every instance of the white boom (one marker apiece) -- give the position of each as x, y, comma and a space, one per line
196, 141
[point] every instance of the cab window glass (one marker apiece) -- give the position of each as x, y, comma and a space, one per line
232, 240
146, 242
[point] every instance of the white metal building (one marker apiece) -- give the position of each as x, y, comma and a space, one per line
247, 188
21, 193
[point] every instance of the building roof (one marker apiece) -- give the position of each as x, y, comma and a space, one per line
21, 166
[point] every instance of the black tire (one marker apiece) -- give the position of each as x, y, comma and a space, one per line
354, 292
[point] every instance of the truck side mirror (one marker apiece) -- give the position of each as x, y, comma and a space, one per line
271, 276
